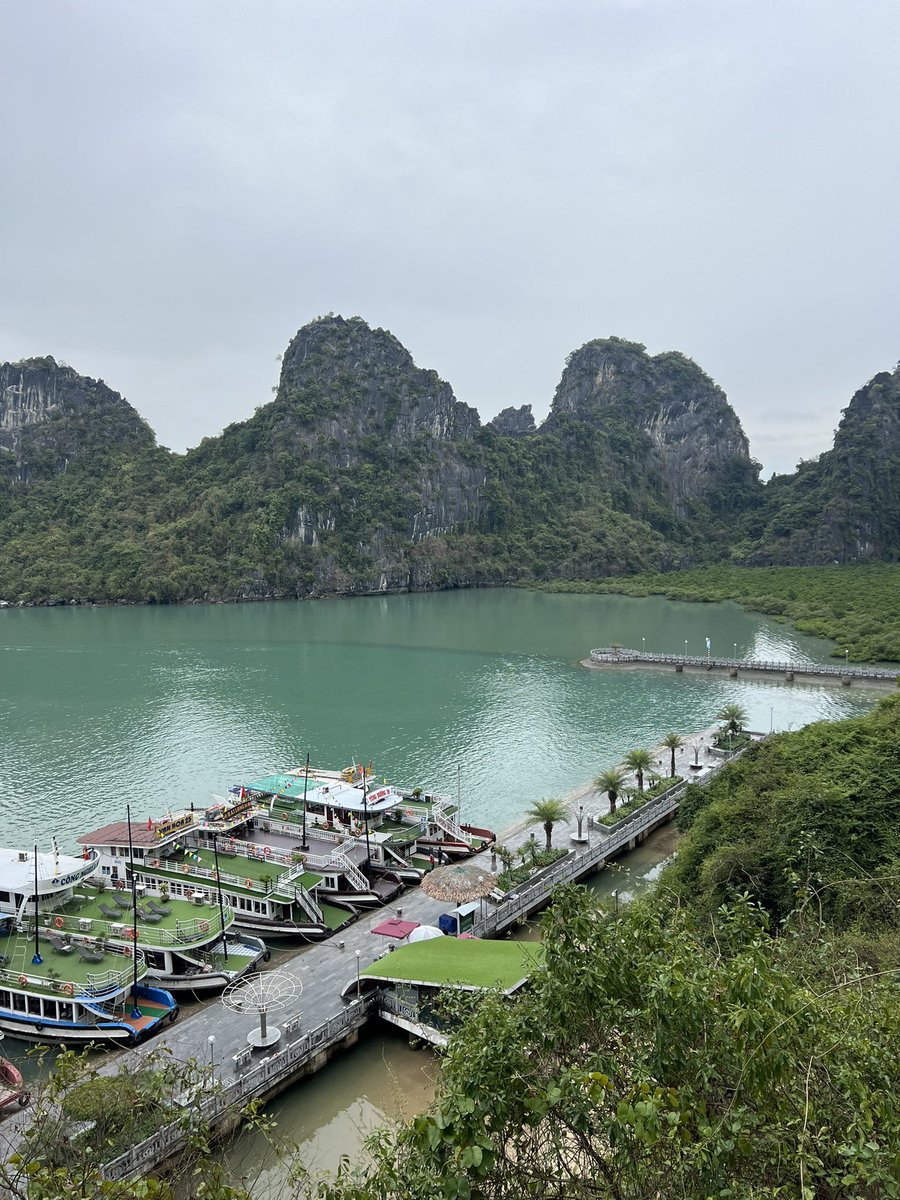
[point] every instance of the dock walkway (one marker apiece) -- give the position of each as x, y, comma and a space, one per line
621, 656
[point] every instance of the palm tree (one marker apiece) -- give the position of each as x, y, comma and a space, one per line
548, 812
612, 782
672, 742
734, 716
639, 761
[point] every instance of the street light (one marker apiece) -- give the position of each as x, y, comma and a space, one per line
357, 975
735, 651
685, 647
643, 644
212, 1052
481, 898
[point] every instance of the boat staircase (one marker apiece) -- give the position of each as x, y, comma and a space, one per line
352, 873
309, 906
445, 822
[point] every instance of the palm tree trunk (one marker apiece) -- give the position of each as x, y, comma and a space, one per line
673, 763
640, 778
548, 829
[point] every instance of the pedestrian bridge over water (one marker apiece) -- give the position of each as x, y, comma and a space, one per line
787, 672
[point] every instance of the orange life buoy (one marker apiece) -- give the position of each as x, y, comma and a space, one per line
126, 950
23, 981
58, 922
131, 933
248, 883
155, 862
204, 926
68, 989
267, 852
185, 869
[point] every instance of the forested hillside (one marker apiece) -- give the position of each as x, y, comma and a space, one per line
366, 474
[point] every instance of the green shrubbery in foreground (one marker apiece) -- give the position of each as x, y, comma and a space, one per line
857, 607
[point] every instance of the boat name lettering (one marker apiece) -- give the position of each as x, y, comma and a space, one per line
65, 880
165, 827
379, 795
236, 810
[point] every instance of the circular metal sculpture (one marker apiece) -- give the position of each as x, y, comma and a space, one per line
262, 994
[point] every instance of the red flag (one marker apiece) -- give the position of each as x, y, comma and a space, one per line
242, 793
149, 822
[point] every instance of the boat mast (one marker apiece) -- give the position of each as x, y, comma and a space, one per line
304, 845
135, 1010
219, 891
36, 959
366, 815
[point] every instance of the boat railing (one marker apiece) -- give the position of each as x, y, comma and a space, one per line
98, 982
187, 929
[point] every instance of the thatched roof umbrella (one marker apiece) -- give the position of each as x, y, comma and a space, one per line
459, 882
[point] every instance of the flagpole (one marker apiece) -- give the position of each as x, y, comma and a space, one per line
36, 957
136, 1013
304, 845
366, 818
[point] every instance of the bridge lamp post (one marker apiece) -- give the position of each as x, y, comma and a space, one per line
211, 1040
357, 975
643, 644
735, 651
685, 647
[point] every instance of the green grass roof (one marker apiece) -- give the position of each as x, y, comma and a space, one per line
460, 962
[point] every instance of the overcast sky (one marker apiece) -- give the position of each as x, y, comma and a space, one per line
185, 183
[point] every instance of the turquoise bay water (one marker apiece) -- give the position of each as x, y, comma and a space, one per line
161, 707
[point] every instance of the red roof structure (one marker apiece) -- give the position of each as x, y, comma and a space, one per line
395, 927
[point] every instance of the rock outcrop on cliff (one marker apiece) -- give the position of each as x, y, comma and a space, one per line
845, 505
694, 440
50, 416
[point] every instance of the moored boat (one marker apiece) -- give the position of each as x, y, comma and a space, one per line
71, 989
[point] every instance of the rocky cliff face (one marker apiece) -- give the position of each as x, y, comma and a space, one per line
844, 506
50, 416
693, 436
514, 422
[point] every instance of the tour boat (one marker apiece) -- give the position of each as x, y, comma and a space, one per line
187, 942
182, 855
67, 987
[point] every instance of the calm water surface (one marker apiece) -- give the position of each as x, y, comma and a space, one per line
162, 707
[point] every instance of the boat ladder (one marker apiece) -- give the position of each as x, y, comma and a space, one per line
351, 871
309, 906
444, 821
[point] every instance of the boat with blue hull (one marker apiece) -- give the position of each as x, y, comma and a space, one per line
72, 988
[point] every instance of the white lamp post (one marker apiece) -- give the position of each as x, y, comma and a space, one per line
358, 993
212, 1052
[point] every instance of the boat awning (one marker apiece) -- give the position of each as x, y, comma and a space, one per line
395, 927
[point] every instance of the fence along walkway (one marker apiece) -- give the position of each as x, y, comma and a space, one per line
613, 656
221, 1102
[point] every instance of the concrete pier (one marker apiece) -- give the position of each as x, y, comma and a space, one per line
784, 672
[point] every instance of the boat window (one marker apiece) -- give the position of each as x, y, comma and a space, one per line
65, 1012
4, 896
4, 998
258, 906
34, 1005
18, 1002
50, 1009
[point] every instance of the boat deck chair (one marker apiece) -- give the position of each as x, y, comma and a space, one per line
60, 946
89, 956
149, 917
121, 901
159, 909
114, 914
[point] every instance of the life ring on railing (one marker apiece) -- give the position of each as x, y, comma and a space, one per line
23, 981
58, 922
248, 882
126, 950
203, 926
130, 933
408, 812
154, 862
69, 989
267, 852
185, 868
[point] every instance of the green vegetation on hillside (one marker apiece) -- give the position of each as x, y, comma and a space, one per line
856, 606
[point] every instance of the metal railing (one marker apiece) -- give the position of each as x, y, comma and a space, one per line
223, 1099
608, 654
97, 983
197, 929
